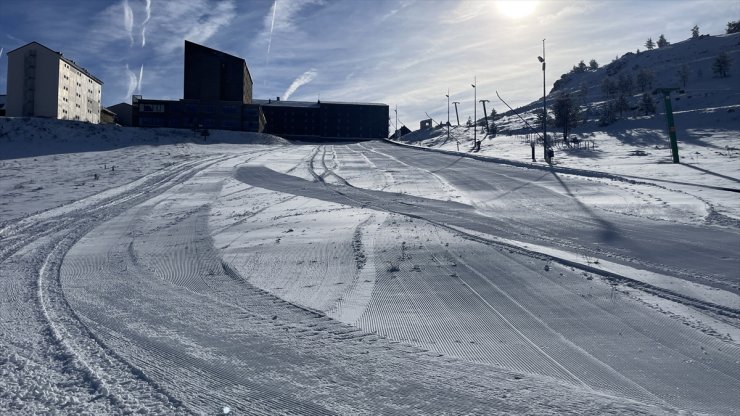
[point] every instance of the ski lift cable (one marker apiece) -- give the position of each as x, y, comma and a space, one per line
517, 114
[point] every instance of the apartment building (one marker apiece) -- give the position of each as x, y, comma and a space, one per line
44, 83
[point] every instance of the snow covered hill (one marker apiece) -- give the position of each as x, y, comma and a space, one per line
707, 117
46, 163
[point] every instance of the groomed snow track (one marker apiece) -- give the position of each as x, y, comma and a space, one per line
222, 283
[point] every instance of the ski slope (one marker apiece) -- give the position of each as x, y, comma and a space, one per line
361, 278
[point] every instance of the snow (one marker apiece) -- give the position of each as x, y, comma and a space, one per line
250, 275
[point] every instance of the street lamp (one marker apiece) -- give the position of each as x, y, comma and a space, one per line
475, 114
448, 113
456, 113
544, 101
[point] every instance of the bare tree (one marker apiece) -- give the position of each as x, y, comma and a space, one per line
645, 79
567, 114
721, 65
608, 87
608, 114
621, 105
647, 105
683, 74
625, 84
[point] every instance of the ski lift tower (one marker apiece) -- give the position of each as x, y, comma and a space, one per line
669, 115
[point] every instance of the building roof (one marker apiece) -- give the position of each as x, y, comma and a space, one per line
275, 103
281, 103
64, 58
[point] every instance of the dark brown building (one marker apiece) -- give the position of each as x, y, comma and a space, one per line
212, 75
323, 119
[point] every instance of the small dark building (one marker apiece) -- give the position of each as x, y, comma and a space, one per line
212, 75
325, 119
402, 131
195, 114
107, 116
123, 113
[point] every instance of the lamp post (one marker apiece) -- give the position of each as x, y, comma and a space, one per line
544, 102
396, 110
485, 115
475, 114
448, 113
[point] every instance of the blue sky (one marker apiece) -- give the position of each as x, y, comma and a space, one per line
399, 52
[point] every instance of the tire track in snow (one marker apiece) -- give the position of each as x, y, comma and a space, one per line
104, 371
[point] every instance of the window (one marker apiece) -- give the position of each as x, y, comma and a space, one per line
151, 108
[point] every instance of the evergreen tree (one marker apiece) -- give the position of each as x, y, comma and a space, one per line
721, 65
647, 105
733, 27
683, 74
662, 43
695, 32
492, 124
593, 65
645, 79
567, 114
622, 105
470, 122
582, 66
650, 45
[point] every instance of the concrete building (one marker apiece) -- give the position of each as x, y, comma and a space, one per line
45, 83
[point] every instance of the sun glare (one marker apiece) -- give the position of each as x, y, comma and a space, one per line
516, 9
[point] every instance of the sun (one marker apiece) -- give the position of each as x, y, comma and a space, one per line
516, 9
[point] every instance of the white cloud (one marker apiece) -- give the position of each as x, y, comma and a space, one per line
304, 79
272, 27
133, 83
128, 20
146, 20
194, 20
281, 19
141, 75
